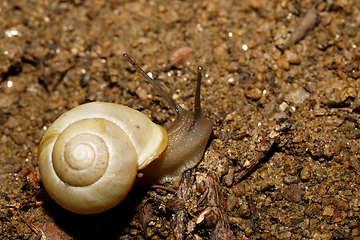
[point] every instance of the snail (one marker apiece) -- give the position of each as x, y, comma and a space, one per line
90, 156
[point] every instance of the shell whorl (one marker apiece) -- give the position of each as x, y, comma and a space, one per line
89, 156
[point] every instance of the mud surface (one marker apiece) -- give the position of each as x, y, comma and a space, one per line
264, 63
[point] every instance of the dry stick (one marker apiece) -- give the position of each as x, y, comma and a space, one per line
214, 209
39, 232
176, 205
264, 147
210, 205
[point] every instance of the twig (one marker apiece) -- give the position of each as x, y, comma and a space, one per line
265, 146
40, 235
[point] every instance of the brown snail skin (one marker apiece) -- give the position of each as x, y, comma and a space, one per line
89, 157
187, 138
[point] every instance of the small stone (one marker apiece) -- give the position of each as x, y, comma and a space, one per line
233, 67
278, 197
297, 96
253, 93
291, 179
12, 122
357, 179
283, 63
336, 94
228, 178
292, 193
346, 164
5, 100
180, 56
337, 216
19, 137
328, 211
305, 173
319, 111
295, 221
244, 209
342, 205
283, 106
162, 8
356, 232
141, 93
255, 4
212, 8
321, 7
248, 231
291, 57
266, 185
239, 189
231, 202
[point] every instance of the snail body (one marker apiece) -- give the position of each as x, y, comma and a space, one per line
89, 157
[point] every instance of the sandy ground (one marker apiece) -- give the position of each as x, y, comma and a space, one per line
264, 62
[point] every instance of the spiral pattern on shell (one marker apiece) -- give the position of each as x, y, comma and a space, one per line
89, 157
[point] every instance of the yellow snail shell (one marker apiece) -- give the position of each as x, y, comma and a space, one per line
95, 149
74, 151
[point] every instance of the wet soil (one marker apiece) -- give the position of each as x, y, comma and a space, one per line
264, 62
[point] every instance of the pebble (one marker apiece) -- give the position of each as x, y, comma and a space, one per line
12, 122
212, 8
180, 56
233, 67
336, 217
297, 96
255, 4
346, 165
253, 93
291, 57
336, 95
229, 177
5, 100
305, 173
292, 193
14, 167
239, 189
244, 209
248, 231
295, 221
283, 63
231, 202
266, 185
283, 106
141, 93
19, 137
321, 7
162, 8
291, 180
342, 205
328, 211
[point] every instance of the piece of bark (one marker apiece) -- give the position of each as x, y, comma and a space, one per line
264, 148
270, 139
210, 208
176, 205
147, 216
214, 215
